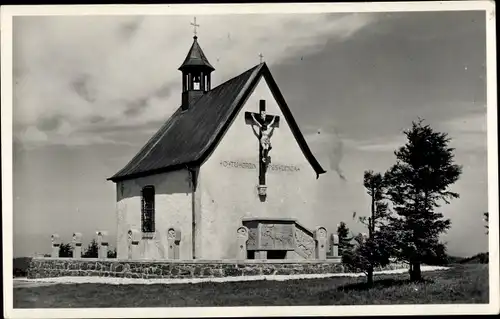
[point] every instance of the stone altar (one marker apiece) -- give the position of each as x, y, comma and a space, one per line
279, 238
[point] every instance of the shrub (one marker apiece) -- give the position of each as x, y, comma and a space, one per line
92, 250
112, 253
20, 266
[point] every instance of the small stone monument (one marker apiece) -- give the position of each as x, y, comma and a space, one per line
56, 246
241, 240
102, 244
173, 238
321, 237
134, 237
77, 245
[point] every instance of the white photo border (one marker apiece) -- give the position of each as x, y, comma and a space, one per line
7, 14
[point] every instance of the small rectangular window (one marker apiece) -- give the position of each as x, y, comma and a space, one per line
148, 209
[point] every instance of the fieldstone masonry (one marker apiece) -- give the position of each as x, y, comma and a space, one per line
58, 267
77, 245
56, 246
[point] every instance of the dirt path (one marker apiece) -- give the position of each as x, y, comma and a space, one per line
24, 282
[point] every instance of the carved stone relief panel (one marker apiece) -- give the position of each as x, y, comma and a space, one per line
305, 244
252, 238
266, 236
283, 237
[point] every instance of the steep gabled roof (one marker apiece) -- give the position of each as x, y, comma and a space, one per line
190, 136
196, 57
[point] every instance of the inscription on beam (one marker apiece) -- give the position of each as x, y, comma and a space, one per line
271, 167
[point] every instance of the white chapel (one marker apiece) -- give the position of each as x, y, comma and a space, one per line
230, 156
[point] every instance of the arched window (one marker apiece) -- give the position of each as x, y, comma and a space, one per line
148, 209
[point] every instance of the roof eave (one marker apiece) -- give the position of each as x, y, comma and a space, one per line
170, 168
205, 65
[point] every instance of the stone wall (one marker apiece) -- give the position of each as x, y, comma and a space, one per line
59, 267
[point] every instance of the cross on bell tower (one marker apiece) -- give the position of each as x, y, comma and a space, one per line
260, 57
196, 72
194, 26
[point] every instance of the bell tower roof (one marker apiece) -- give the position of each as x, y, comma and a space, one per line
196, 58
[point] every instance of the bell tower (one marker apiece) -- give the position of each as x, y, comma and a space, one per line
196, 72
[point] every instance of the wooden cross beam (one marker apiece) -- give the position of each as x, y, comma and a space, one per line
266, 124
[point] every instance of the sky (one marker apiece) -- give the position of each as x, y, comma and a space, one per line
89, 91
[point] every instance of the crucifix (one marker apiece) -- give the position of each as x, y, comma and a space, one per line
194, 25
266, 125
260, 56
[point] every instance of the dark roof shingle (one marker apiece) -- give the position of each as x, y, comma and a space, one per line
196, 57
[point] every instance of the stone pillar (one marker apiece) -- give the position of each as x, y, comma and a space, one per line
102, 244
77, 245
335, 245
321, 237
241, 240
56, 246
134, 238
261, 254
173, 238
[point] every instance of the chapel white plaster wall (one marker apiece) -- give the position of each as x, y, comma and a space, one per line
229, 194
173, 207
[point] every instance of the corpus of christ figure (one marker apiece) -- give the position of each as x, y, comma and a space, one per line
266, 131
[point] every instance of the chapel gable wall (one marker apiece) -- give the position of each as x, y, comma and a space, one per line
229, 179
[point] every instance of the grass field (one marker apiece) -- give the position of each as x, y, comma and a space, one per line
461, 284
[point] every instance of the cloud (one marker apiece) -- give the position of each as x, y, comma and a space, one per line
85, 70
49, 123
33, 137
389, 144
327, 143
467, 133
473, 123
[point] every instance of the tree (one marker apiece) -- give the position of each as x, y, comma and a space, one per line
437, 256
345, 245
65, 250
374, 249
92, 250
370, 252
417, 185
486, 218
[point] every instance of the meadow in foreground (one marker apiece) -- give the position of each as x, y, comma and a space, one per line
460, 284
